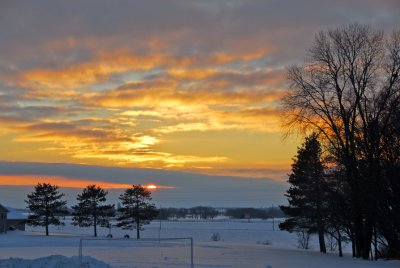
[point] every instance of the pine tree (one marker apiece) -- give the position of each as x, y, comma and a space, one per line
306, 193
136, 209
46, 206
90, 210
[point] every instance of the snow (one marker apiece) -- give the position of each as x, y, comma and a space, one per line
243, 244
55, 261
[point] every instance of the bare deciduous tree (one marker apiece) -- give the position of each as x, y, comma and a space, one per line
348, 90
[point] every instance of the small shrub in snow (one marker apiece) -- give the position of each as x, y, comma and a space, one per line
215, 237
331, 243
267, 243
303, 239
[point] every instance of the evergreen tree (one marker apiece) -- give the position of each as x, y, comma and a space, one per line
305, 195
136, 209
46, 205
91, 211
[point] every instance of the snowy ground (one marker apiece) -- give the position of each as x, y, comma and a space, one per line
243, 244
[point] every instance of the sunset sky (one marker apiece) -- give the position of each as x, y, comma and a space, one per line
189, 86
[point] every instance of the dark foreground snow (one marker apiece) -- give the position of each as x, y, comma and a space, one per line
53, 261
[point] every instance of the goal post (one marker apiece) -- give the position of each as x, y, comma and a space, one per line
135, 241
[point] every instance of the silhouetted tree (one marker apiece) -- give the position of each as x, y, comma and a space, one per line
306, 195
136, 209
388, 224
348, 91
91, 210
46, 206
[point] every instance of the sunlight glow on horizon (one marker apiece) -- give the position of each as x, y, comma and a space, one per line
151, 187
32, 180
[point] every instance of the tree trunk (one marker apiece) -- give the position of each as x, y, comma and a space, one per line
95, 218
321, 227
353, 244
358, 235
340, 244
321, 238
373, 182
367, 239
95, 226
137, 229
375, 244
357, 218
47, 226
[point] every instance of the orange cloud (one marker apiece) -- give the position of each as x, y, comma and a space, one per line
91, 72
31, 180
121, 146
161, 93
191, 74
104, 64
265, 119
166, 95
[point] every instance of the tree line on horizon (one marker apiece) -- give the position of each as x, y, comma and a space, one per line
209, 213
345, 178
46, 207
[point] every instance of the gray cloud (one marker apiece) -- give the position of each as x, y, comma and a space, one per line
190, 26
29, 113
191, 189
77, 41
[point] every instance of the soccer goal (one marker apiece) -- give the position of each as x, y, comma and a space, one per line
145, 252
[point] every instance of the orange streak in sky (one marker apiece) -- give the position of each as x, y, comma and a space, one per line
31, 180
154, 187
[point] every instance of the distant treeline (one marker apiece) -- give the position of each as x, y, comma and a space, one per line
209, 213
255, 213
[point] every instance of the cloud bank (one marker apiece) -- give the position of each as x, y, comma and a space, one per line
178, 85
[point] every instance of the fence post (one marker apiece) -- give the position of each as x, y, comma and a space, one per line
191, 253
80, 252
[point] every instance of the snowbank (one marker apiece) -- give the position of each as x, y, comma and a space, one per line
54, 261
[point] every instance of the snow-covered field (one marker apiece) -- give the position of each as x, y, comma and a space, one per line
243, 244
